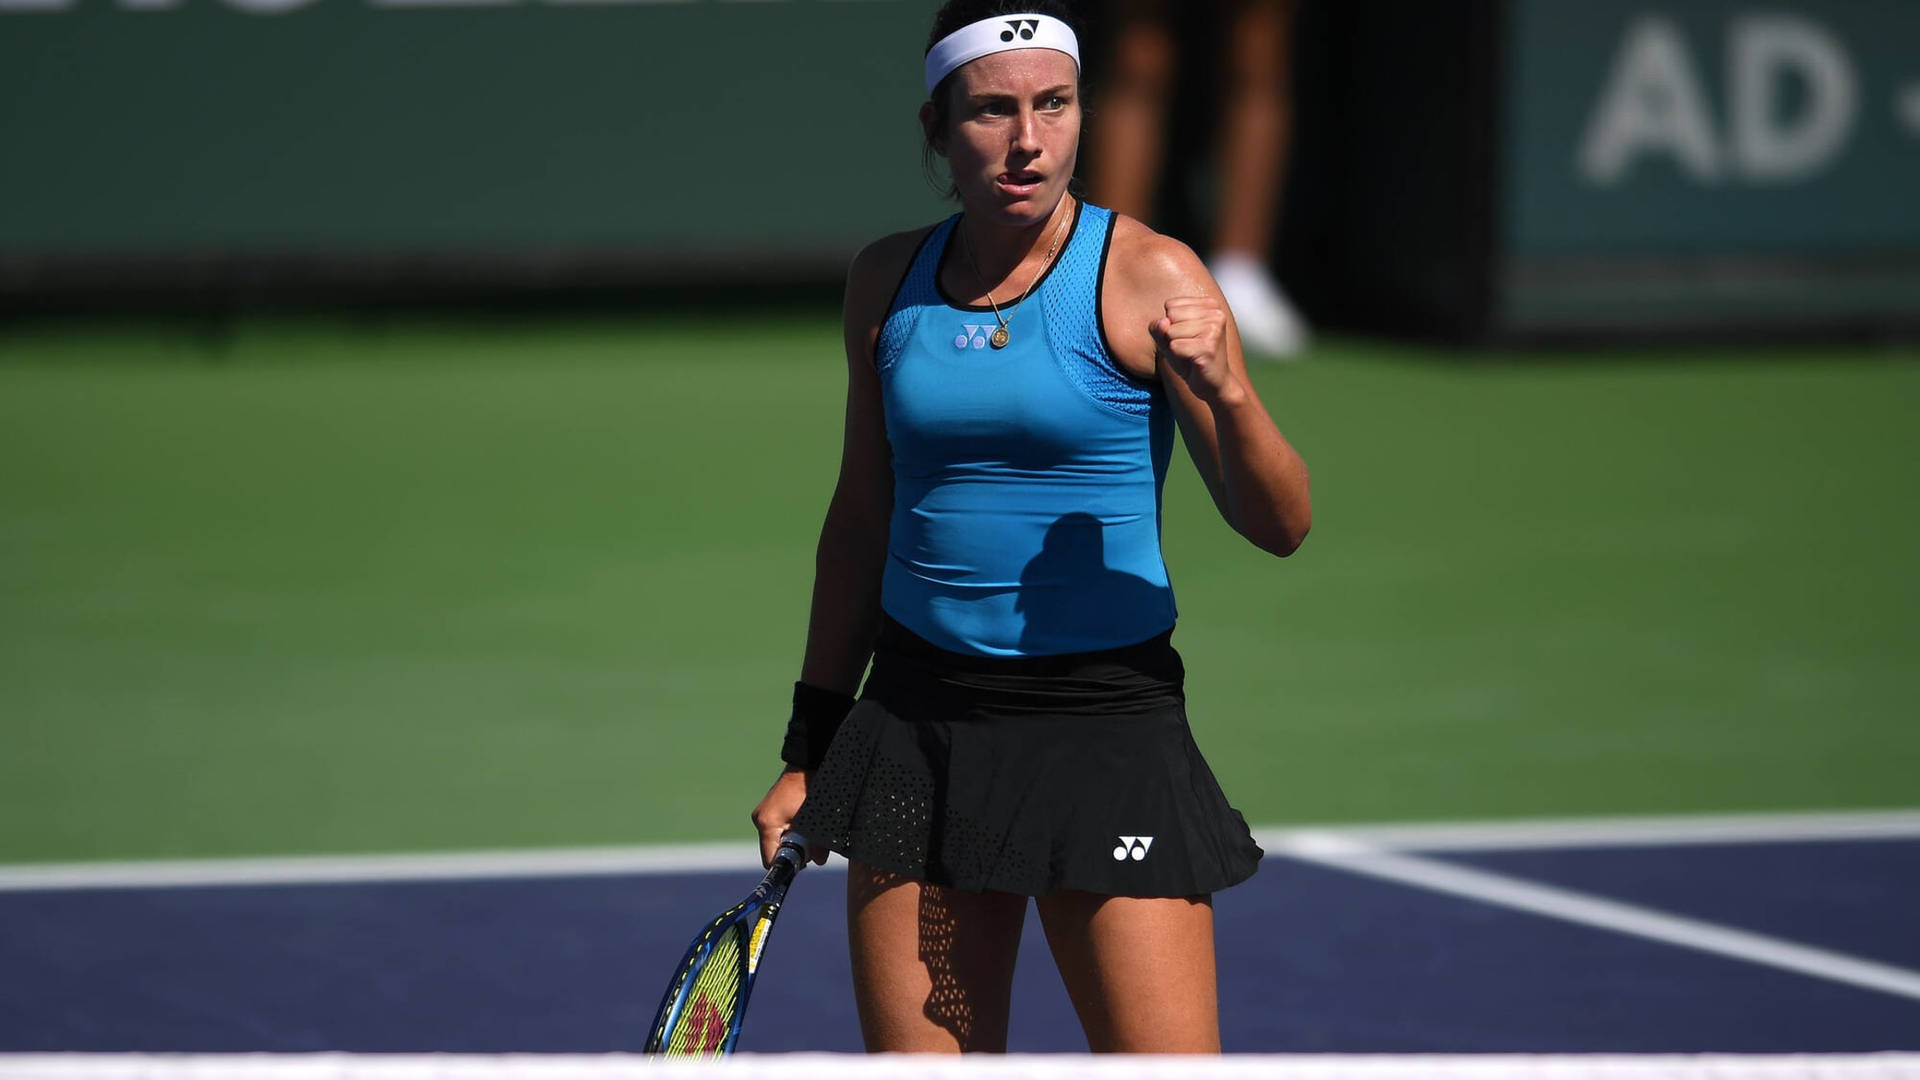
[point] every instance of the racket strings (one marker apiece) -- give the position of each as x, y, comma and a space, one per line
712, 998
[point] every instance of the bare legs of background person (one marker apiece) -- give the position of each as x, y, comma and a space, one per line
1131, 119
933, 967
1255, 126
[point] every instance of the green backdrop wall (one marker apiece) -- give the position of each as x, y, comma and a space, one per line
706, 131
1477, 168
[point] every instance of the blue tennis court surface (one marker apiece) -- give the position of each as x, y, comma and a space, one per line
1804, 943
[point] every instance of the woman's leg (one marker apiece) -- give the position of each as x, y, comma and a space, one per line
1140, 971
932, 967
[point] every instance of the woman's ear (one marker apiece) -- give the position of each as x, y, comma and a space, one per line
929, 122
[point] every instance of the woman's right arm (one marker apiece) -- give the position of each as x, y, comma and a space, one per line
852, 553
845, 614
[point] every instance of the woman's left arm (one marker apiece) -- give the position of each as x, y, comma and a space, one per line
1169, 303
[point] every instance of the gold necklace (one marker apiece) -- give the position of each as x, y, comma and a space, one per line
1002, 336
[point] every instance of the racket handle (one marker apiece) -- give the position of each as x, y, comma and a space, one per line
793, 848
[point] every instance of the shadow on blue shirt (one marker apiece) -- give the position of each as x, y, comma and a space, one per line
1072, 601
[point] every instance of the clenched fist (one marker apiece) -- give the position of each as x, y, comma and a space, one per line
1192, 339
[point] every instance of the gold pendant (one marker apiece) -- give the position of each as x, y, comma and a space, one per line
1000, 338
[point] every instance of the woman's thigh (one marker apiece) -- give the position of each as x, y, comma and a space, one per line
1140, 971
932, 967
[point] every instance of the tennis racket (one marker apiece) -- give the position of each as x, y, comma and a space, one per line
707, 999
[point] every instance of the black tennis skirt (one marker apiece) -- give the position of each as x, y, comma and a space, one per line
1027, 775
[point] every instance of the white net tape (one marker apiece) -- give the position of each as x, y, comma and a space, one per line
1023, 1067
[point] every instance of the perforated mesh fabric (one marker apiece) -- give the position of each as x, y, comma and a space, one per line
916, 294
892, 822
883, 814
1071, 298
973, 851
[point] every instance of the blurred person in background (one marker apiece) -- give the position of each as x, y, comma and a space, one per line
1251, 142
993, 548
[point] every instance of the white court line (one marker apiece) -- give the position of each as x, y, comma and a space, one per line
344, 869
1345, 853
1366, 850
1626, 831
741, 856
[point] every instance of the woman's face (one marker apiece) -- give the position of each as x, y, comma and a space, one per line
1012, 133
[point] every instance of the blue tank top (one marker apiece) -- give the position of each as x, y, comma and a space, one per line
1026, 480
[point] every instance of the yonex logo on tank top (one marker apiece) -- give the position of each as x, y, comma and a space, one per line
1132, 847
975, 336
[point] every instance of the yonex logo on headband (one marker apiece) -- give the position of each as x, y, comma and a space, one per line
999, 34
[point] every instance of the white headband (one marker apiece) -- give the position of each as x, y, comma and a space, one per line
999, 34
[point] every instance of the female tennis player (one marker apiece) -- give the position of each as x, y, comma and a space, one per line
1015, 377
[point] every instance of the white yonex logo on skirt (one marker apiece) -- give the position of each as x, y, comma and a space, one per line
1134, 847
975, 336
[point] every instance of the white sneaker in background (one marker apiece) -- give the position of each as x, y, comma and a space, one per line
1269, 327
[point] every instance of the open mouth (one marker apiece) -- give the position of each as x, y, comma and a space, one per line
1019, 179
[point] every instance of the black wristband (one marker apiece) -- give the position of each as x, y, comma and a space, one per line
816, 716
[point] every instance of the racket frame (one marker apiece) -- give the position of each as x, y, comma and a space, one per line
756, 913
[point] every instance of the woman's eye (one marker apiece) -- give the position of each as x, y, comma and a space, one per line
1054, 103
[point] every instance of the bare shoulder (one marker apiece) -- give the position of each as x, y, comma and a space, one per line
1154, 264
876, 272
1144, 270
